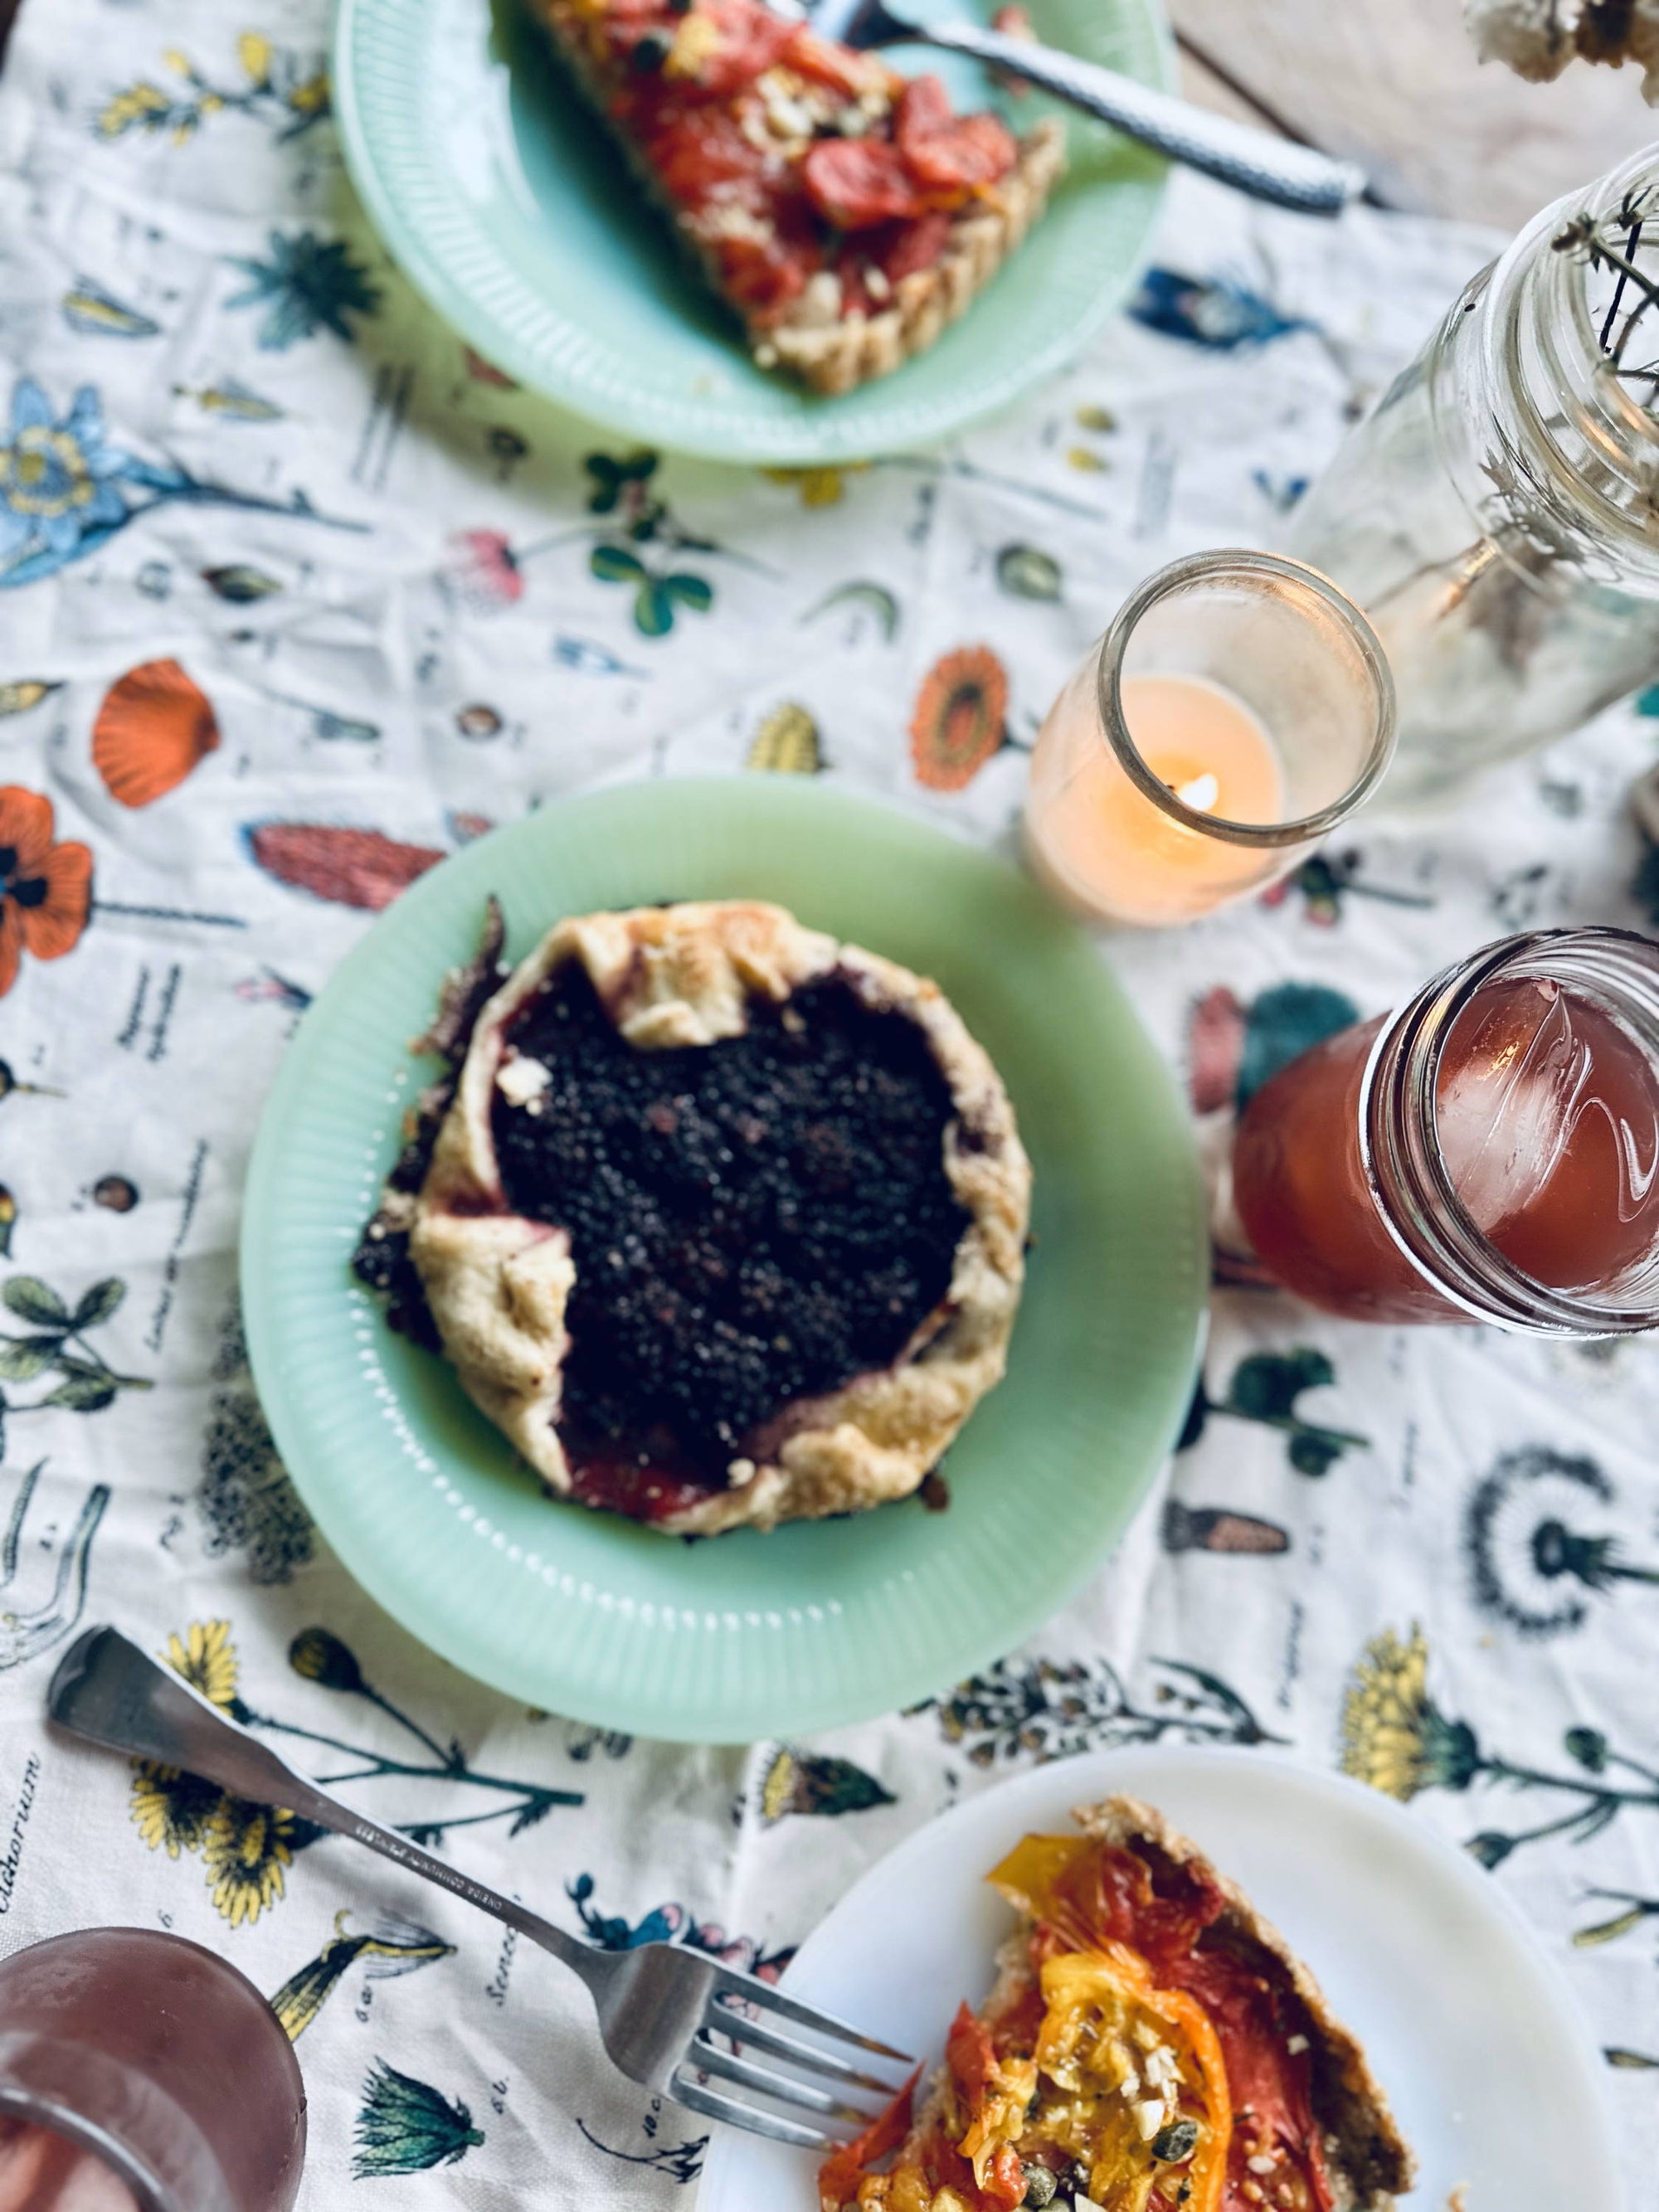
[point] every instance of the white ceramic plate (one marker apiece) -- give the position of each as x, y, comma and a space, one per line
1473, 2033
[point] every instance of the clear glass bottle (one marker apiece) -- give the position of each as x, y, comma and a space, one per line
1490, 1152
1497, 516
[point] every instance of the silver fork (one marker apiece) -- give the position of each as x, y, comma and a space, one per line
673, 2020
1268, 169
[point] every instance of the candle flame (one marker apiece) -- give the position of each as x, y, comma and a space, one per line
1200, 795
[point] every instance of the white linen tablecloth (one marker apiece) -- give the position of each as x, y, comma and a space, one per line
357, 573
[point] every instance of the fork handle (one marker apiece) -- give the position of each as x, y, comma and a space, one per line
109, 1691
1266, 167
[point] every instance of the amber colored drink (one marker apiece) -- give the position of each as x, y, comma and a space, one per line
1545, 1133
138, 2073
41, 2170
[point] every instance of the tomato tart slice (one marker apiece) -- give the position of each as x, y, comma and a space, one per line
842, 211
1151, 2045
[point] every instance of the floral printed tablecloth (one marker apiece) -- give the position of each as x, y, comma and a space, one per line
297, 594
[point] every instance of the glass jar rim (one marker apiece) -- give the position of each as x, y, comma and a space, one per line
44, 2111
1405, 1165
1253, 567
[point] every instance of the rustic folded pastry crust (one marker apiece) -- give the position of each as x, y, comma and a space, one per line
498, 1284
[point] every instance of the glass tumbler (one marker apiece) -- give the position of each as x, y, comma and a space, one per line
138, 2070
1237, 709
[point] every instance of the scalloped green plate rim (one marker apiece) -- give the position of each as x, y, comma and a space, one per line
817, 1624
496, 194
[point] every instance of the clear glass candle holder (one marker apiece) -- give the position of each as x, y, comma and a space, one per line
1236, 711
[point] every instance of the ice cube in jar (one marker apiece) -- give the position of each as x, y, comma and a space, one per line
1549, 1125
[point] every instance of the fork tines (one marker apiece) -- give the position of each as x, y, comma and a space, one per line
732, 2028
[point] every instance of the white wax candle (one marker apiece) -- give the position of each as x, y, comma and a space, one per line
1103, 845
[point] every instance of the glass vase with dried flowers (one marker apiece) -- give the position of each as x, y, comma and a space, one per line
1497, 516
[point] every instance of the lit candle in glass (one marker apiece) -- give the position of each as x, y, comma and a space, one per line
1239, 708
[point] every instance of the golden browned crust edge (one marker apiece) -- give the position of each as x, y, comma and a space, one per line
833, 358
498, 1284
1371, 2161
837, 357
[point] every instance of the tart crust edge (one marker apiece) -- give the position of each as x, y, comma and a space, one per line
498, 1284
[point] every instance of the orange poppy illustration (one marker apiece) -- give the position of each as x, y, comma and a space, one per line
46, 888
960, 718
153, 728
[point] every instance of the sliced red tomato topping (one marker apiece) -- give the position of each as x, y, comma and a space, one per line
945, 152
765, 274
843, 2171
915, 246
752, 40
837, 67
1087, 1894
1005, 2181
856, 183
971, 2056
693, 150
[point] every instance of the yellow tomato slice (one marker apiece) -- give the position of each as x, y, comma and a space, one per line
1113, 1984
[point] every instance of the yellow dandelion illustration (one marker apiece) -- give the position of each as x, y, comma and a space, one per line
822, 485
1382, 1714
310, 98
255, 54
812, 1782
170, 1810
207, 1659
1393, 1737
178, 62
246, 1848
788, 743
138, 104
778, 1786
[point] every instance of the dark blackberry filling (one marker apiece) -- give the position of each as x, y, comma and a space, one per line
752, 1222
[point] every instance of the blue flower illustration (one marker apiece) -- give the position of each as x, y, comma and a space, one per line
308, 283
65, 489
1212, 311
59, 494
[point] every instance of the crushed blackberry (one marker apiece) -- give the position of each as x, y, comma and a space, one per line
752, 1222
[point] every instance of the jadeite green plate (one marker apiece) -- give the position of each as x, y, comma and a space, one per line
503, 203
817, 1624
